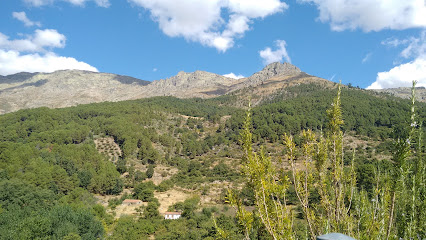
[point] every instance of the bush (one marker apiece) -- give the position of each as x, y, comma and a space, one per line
150, 171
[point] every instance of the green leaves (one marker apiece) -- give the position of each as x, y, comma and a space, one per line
269, 191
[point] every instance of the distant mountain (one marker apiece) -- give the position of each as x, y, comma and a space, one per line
72, 87
64, 88
405, 92
197, 84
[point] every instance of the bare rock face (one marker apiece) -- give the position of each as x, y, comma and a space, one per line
405, 92
64, 88
189, 84
273, 70
72, 87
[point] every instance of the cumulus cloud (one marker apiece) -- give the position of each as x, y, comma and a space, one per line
13, 62
22, 16
371, 15
203, 22
403, 74
38, 42
270, 56
232, 75
39, 3
34, 54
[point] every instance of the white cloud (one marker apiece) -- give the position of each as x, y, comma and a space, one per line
371, 15
232, 75
39, 3
33, 54
277, 55
256, 8
103, 3
394, 42
13, 62
38, 42
403, 74
154, 69
203, 22
22, 16
367, 57
416, 46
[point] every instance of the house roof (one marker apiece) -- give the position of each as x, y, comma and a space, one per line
172, 213
132, 201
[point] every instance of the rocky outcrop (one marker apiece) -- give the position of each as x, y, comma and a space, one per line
272, 70
196, 84
405, 92
72, 87
64, 88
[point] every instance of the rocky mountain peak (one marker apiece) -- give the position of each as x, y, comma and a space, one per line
279, 69
191, 80
71, 87
273, 70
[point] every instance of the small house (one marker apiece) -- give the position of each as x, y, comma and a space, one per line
172, 215
129, 202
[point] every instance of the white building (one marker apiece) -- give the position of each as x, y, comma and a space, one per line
172, 215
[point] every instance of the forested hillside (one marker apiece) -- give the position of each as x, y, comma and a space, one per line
62, 178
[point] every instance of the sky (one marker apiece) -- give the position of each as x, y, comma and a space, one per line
368, 43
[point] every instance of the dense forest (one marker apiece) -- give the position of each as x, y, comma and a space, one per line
56, 164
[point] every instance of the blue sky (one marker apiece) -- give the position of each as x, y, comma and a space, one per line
376, 43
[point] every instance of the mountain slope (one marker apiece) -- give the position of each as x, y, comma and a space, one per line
64, 88
405, 92
72, 87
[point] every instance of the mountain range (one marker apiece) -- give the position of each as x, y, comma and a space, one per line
66, 88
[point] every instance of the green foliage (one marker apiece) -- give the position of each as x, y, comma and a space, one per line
50, 167
323, 171
144, 191
165, 185
147, 154
53, 223
121, 165
305, 108
140, 176
150, 171
18, 194
107, 181
269, 191
187, 207
151, 211
409, 183
128, 228
329, 196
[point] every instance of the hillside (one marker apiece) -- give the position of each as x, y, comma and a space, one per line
71, 87
63, 89
405, 92
174, 155
69, 172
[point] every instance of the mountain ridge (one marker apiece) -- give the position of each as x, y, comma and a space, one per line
65, 88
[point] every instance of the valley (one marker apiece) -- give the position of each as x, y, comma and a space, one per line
75, 145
